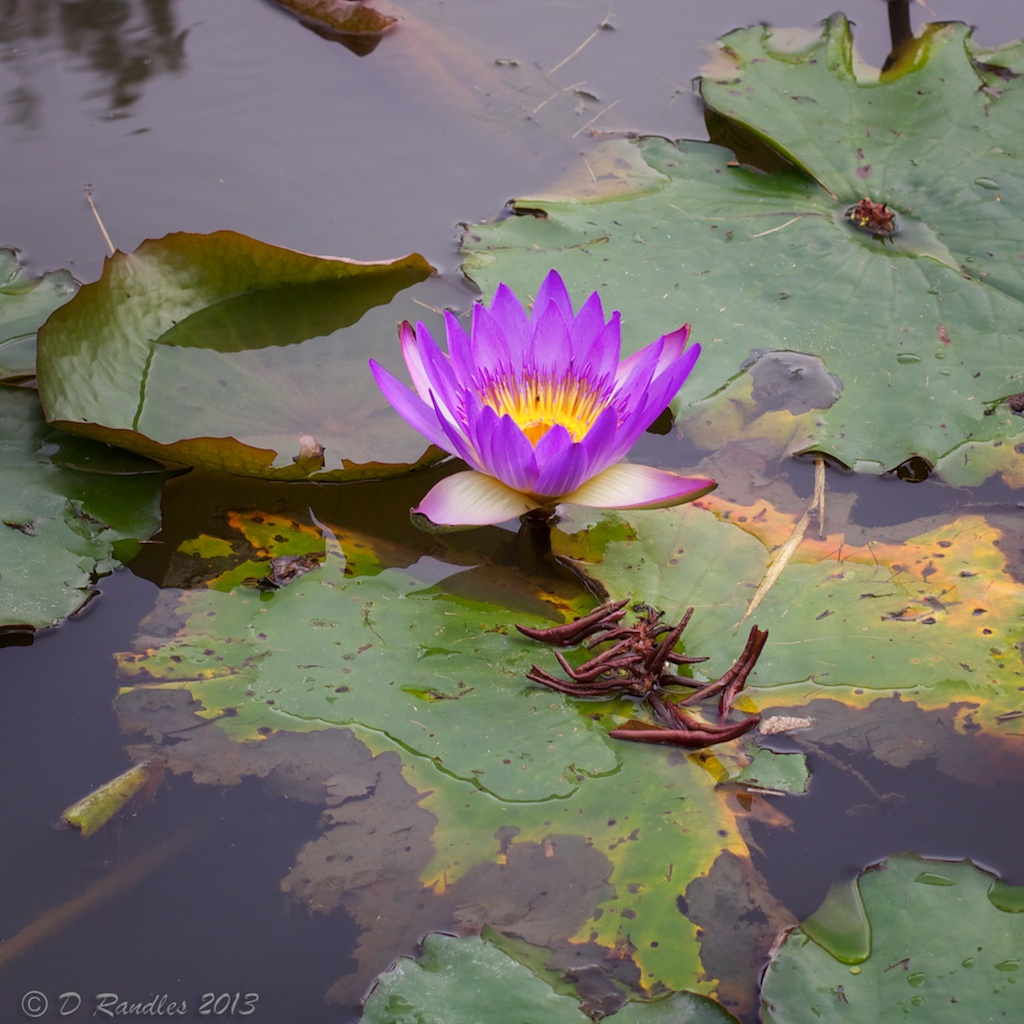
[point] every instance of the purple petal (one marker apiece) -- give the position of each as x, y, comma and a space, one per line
641, 366
550, 347
564, 470
655, 398
588, 324
675, 373
410, 343
460, 349
668, 381
626, 485
504, 450
412, 408
469, 499
600, 442
630, 392
553, 289
492, 353
671, 344
456, 440
509, 312
427, 361
600, 357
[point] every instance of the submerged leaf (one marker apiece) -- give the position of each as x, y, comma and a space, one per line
781, 773
223, 352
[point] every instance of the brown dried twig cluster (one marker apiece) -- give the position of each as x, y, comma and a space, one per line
635, 661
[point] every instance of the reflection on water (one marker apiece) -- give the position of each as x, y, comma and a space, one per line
123, 43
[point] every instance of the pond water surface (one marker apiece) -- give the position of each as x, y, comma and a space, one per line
191, 115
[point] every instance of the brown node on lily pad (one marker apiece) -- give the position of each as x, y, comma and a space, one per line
285, 569
874, 218
635, 661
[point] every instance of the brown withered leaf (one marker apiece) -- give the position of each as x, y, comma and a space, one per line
349, 22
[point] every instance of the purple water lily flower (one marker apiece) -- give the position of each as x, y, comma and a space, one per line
541, 407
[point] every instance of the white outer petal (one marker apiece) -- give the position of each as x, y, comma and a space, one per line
469, 499
627, 485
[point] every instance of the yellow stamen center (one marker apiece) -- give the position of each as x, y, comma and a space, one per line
538, 402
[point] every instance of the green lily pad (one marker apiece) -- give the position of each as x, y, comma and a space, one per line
938, 947
61, 527
466, 980
936, 618
916, 338
227, 353
658, 820
25, 303
438, 680
506, 769
935, 138
678, 1008
433, 673
781, 773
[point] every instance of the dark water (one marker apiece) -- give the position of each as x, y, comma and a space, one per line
861, 811
206, 916
198, 115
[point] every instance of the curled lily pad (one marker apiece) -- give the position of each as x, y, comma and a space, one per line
93, 811
227, 353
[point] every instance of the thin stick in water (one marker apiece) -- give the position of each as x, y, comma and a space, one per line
96, 214
785, 553
111, 885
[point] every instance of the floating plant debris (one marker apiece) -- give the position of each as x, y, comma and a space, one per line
637, 664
